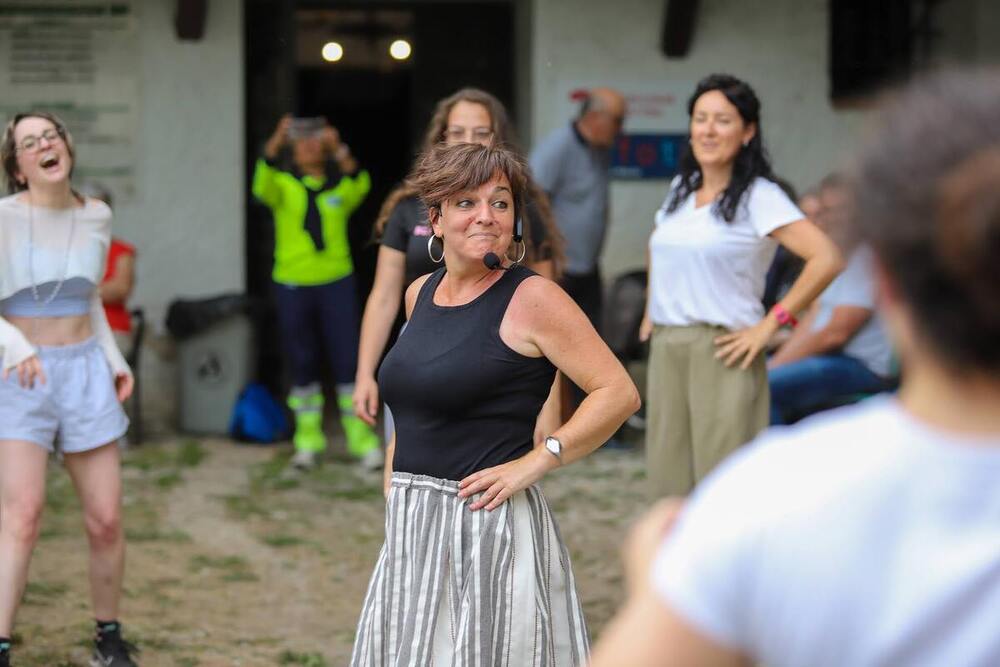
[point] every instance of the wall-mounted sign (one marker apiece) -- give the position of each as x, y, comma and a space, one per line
77, 59
646, 155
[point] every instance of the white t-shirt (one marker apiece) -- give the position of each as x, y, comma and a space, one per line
855, 286
704, 270
858, 537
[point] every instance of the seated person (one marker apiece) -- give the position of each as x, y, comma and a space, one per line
840, 348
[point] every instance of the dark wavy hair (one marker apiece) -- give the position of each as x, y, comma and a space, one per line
752, 160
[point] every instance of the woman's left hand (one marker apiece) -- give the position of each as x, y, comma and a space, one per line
501, 482
123, 386
744, 344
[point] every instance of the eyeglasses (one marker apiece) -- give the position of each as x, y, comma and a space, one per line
473, 136
31, 143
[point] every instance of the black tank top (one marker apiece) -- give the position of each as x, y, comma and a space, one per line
461, 398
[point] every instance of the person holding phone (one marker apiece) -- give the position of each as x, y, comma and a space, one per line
313, 277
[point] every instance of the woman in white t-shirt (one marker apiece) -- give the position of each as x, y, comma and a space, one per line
868, 535
711, 246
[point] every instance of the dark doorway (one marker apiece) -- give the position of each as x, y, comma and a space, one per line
380, 106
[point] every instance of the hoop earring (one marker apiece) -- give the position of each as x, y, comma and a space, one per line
524, 251
430, 252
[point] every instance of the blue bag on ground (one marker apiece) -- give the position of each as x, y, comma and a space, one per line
257, 417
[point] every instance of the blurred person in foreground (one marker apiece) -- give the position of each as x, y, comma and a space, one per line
314, 286
869, 535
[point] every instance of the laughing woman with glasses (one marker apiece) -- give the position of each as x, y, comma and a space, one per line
63, 376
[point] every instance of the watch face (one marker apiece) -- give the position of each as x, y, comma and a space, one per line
553, 446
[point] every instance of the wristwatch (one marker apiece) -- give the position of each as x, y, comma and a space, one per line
554, 447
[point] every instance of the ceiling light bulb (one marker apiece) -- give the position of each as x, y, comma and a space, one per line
332, 52
400, 49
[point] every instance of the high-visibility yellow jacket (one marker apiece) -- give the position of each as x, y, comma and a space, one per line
310, 222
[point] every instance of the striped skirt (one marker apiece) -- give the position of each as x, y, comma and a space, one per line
458, 588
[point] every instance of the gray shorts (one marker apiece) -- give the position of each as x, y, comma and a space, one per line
77, 405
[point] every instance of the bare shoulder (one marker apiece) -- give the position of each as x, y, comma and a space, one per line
539, 300
412, 291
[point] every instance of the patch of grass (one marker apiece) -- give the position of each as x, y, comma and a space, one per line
270, 473
147, 534
243, 506
50, 531
190, 454
168, 480
187, 662
148, 458
51, 658
282, 540
232, 568
221, 562
304, 659
42, 592
59, 494
285, 483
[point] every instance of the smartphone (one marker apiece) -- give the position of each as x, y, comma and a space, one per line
306, 127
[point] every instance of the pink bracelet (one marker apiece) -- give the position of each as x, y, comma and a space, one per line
783, 316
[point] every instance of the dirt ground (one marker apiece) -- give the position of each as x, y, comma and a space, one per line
232, 562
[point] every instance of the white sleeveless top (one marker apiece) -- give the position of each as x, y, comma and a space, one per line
42, 235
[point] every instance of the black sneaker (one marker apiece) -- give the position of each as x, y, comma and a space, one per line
5, 659
110, 650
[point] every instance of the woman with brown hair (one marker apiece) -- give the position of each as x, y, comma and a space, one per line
63, 376
465, 380
408, 249
868, 535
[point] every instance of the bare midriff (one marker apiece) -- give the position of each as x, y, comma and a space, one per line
54, 331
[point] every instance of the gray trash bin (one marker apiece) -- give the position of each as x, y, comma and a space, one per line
214, 365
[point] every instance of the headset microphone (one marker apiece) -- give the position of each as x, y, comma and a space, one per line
492, 262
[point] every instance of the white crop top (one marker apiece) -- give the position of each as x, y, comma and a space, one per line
42, 235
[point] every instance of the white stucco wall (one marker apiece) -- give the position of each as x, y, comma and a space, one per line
779, 47
187, 217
